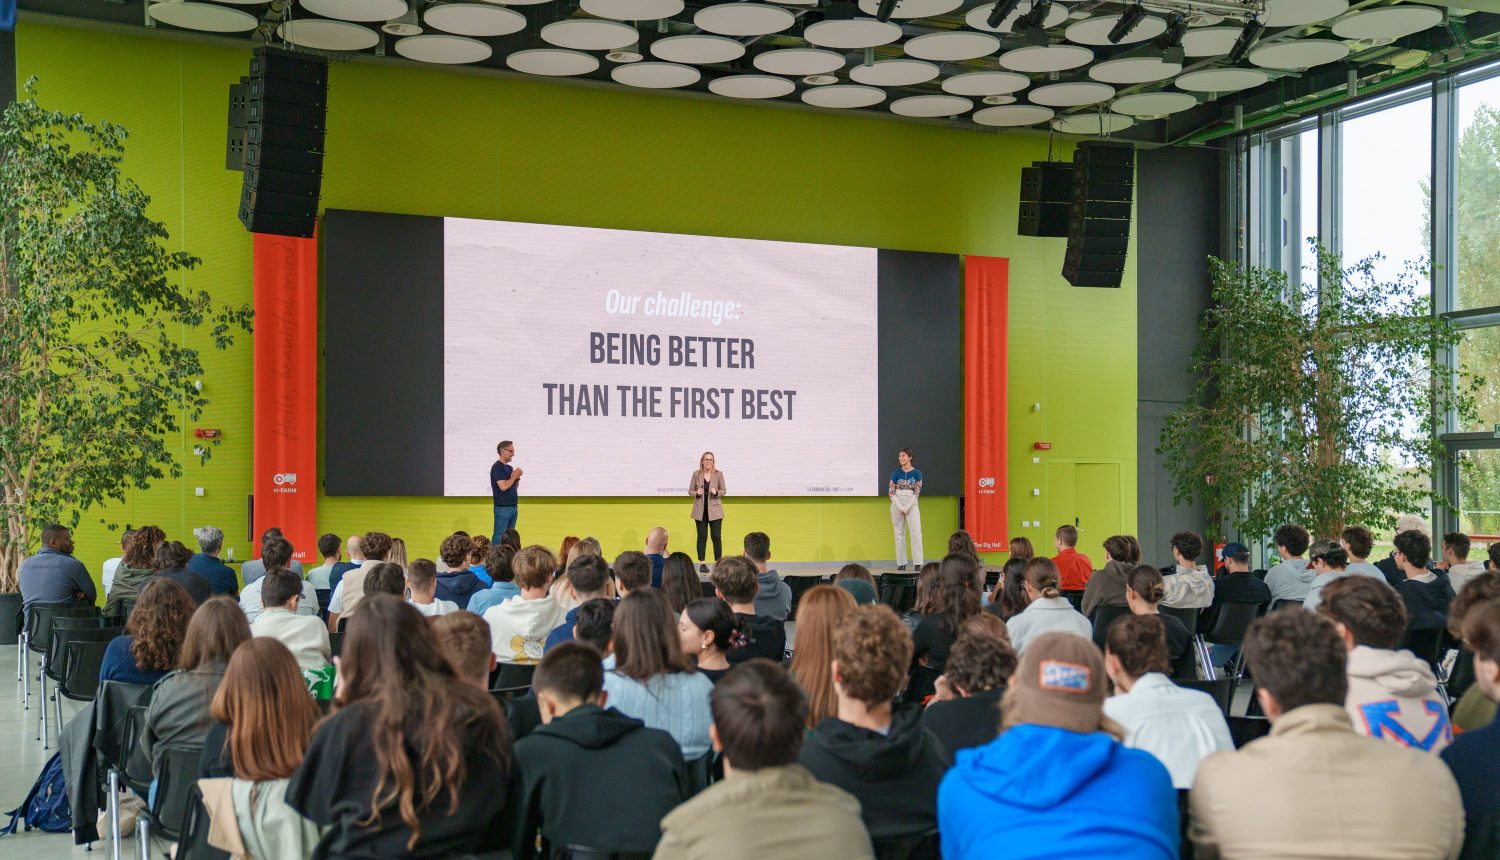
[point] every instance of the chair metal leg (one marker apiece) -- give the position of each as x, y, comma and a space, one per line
114, 814
25, 677
143, 836
57, 697
20, 657
43, 709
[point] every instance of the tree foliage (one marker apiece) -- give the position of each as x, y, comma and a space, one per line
1315, 404
94, 371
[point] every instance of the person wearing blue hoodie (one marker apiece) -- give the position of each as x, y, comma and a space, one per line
457, 583
1057, 782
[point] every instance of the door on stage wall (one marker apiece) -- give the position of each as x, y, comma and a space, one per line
1086, 495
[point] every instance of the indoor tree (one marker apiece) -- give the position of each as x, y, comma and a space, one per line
94, 371
1316, 403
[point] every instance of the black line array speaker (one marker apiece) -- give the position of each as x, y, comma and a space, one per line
1046, 198
285, 111
1099, 218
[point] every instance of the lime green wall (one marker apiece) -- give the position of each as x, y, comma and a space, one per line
428, 141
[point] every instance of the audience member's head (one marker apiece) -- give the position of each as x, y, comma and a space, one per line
679, 581
820, 613
705, 628
1298, 659
1042, 579
632, 571
864, 593
1327, 556
1292, 540
1059, 682
656, 541
1481, 634
1236, 558
962, 543
464, 640
584, 546
566, 548
1020, 548
276, 552
872, 653
1413, 523
1135, 549
570, 675
497, 562
985, 624
140, 547
734, 580
356, 550
758, 547
264, 703
1188, 546
760, 717
534, 567
377, 546
280, 589
1413, 550
588, 577
1067, 537
397, 555
1136, 645
421, 578
645, 637
215, 630
158, 624
210, 539
510, 538
929, 590
1144, 589
387, 577
272, 532
328, 546
478, 552
855, 571
1456, 547
1117, 547
595, 624
979, 663
1365, 610
170, 555
958, 597
1485, 586
1013, 598
455, 550
1358, 542
1493, 551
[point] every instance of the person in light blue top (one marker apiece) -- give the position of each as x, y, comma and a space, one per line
497, 564
652, 680
905, 489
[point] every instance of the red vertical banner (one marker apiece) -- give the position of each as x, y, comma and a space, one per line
286, 390
986, 296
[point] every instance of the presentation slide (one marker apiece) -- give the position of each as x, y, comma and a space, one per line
613, 359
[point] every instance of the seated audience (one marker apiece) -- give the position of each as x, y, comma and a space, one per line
304, 635
178, 715
1456, 560
1393, 694
880, 754
328, 548
1474, 757
1329, 561
136, 566
1143, 594
1314, 787
262, 716
376, 547
957, 602
397, 555
596, 625
1235, 584
656, 553
631, 570
680, 584
774, 597
585, 546
255, 568
171, 561
966, 710
356, 560
925, 602
1047, 611
1181, 727
277, 553
1358, 542
1107, 586
565, 551
107, 570
53, 575
421, 585
824, 608
767, 805
1073, 567
1010, 597
1020, 548
510, 538
1427, 592
1057, 782
413, 762
962, 543
1291, 578
498, 564
581, 746
478, 553
221, 577
705, 628
857, 580
1474, 709
1188, 584
1388, 566
651, 679
734, 580
588, 578
520, 625
458, 585
153, 636
464, 639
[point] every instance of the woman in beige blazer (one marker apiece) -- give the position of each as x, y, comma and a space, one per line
707, 489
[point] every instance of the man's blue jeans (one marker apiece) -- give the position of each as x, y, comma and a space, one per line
505, 518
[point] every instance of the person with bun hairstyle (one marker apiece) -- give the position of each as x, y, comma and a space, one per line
1048, 609
705, 627
1144, 588
1107, 586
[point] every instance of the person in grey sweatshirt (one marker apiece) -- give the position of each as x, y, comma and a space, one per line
774, 600
1292, 578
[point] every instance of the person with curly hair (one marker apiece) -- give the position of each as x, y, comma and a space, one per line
1291, 578
477, 556
178, 715
966, 711
153, 635
459, 584
136, 566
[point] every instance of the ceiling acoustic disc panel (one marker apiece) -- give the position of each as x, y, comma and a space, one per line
700, 48
743, 19
1134, 70
1040, 59
844, 96
1012, 115
1221, 80
799, 61
931, 106
1092, 123
751, 86
207, 17
632, 10
852, 33
1299, 54
439, 48
1210, 41
1095, 31
1295, 13
894, 73
913, 8
986, 84
589, 34
979, 17
356, 10
475, 19
1153, 104
323, 34
1073, 94
1388, 22
552, 62
951, 46
655, 76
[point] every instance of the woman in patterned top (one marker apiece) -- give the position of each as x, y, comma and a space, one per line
906, 487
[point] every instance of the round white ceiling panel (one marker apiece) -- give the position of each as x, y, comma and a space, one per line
1294, 13
699, 48
1095, 31
1013, 115
323, 34
985, 84
751, 86
979, 17
913, 8
844, 96
553, 62
931, 106
799, 61
1153, 104
589, 34
475, 19
1298, 54
356, 10
1040, 59
207, 17
1388, 22
951, 46
655, 76
1220, 80
632, 10
1134, 70
1092, 123
1072, 94
894, 73
1210, 41
439, 48
743, 19
852, 33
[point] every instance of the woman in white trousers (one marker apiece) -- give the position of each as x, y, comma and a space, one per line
906, 516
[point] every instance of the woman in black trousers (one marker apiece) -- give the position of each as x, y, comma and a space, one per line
707, 489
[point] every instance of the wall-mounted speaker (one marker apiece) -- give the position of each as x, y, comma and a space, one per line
1099, 217
1046, 198
285, 117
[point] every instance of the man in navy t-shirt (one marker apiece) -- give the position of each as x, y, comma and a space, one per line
503, 480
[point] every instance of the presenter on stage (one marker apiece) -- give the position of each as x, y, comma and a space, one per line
503, 480
905, 489
707, 490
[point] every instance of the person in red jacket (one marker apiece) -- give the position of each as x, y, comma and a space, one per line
1073, 567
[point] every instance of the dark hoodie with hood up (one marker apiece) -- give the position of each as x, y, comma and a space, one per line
894, 776
458, 586
559, 771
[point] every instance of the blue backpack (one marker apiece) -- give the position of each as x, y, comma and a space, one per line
46, 807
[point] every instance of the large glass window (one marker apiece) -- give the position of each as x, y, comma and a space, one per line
1477, 196
1479, 351
1479, 492
1386, 175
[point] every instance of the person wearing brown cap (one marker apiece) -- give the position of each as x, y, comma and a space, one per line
1057, 782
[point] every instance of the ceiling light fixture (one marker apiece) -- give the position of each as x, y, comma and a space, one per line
1033, 20
1177, 27
884, 10
1129, 20
1242, 45
406, 25
1003, 9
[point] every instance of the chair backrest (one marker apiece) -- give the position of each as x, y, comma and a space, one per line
708, 588
1103, 617
700, 771
898, 590
1188, 617
1285, 603
81, 678
336, 643
909, 846
135, 772
1243, 730
111, 711
123, 610
40, 616
1075, 597
921, 683
1430, 645
512, 675
1222, 690
1259, 573
1232, 622
991, 579
324, 595
174, 786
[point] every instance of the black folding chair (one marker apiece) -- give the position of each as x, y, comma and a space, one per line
708, 588
509, 676
116, 731
194, 844
1188, 617
38, 637
336, 643
1222, 689
908, 846
898, 590
65, 628
80, 668
175, 780
921, 683
1229, 629
1285, 603
1259, 573
324, 595
1103, 617
1074, 597
1430, 646
1243, 730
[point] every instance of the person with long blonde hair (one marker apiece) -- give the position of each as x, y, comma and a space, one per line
706, 486
819, 614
